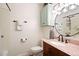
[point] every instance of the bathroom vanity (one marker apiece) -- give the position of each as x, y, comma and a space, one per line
52, 47
52, 51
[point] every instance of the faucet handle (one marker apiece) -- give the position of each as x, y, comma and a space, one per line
67, 40
62, 40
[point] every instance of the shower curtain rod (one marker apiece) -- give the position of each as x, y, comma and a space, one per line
8, 6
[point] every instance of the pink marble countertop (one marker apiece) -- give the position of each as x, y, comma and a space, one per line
68, 48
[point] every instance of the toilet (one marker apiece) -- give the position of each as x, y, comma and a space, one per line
36, 50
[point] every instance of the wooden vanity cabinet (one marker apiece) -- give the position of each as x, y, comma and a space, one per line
49, 50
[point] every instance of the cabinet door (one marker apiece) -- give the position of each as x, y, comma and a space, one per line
52, 51
50, 15
46, 50
44, 16
56, 52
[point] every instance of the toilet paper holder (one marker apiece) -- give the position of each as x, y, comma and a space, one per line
23, 40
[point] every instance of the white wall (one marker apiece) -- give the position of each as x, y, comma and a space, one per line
30, 30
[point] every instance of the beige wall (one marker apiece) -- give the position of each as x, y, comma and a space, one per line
30, 30
4, 29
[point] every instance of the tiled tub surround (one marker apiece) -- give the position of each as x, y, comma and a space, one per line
68, 48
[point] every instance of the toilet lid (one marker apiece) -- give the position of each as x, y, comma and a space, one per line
37, 48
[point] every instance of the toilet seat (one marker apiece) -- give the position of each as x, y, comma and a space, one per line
36, 49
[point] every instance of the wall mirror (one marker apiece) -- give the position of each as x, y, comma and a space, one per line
67, 21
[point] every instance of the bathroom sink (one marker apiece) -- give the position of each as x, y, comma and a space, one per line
58, 43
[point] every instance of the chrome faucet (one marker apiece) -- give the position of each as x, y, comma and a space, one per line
60, 38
